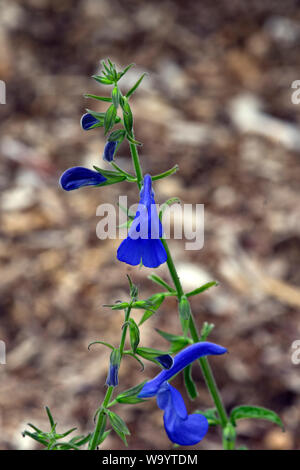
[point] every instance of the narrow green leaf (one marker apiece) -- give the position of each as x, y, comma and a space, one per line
81, 440
156, 301
206, 330
184, 313
150, 354
131, 392
158, 280
99, 98
109, 119
130, 353
117, 135
118, 306
168, 203
117, 423
35, 428
103, 437
101, 342
50, 417
36, 437
256, 412
202, 288
121, 74
132, 90
130, 400
132, 140
189, 382
165, 173
134, 334
127, 117
61, 436
102, 80
115, 96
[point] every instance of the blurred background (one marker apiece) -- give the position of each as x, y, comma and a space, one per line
217, 101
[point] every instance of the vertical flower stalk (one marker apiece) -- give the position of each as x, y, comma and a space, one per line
204, 364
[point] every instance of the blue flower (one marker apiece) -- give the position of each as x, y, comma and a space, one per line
165, 360
78, 176
143, 243
113, 372
112, 377
109, 150
88, 121
181, 428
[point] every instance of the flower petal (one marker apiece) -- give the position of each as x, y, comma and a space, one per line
186, 432
109, 150
130, 251
181, 360
87, 121
169, 397
76, 177
112, 378
144, 233
153, 253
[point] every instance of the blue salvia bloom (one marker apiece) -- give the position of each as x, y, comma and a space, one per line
109, 150
113, 371
112, 377
181, 428
78, 176
87, 121
143, 243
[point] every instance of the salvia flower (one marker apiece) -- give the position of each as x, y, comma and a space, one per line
113, 372
143, 243
109, 151
78, 176
88, 121
181, 428
165, 360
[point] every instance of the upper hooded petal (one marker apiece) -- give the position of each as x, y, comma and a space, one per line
87, 121
165, 360
78, 176
181, 360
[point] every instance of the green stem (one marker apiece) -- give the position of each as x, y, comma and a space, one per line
100, 420
123, 172
172, 270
